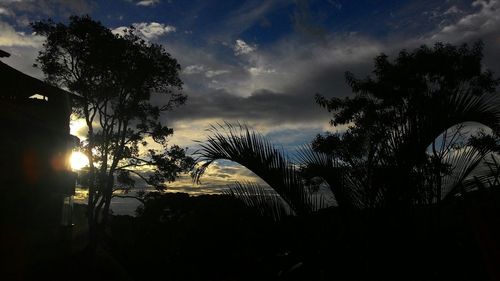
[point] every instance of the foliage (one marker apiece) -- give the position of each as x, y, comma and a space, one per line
397, 117
487, 174
215, 237
123, 85
265, 200
204, 237
249, 149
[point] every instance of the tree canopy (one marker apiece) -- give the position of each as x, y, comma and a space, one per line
399, 112
123, 86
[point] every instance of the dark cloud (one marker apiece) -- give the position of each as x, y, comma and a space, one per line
288, 76
264, 105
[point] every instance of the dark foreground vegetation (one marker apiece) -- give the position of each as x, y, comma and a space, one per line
216, 237
210, 237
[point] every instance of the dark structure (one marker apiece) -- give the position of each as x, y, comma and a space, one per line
36, 182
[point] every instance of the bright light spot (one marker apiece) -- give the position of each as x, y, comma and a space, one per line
78, 160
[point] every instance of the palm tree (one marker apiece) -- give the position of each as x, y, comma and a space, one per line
251, 150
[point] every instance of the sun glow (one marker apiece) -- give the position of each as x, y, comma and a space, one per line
78, 160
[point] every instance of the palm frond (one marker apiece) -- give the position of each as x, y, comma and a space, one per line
251, 150
331, 171
486, 175
464, 162
263, 199
408, 142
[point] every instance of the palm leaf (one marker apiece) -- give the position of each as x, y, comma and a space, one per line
331, 171
408, 142
486, 175
251, 150
263, 199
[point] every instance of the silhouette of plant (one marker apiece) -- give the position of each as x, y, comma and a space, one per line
487, 172
251, 150
265, 200
114, 78
317, 168
396, 118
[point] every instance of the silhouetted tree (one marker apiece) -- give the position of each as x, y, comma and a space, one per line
397, 117
116, 78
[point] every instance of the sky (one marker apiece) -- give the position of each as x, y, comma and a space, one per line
262, 62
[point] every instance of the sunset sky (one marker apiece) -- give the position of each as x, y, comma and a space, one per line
262, 62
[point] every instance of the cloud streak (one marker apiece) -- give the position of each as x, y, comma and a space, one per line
48, 7
150, 31
148, 3
474, 25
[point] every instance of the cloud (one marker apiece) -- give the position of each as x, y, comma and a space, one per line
213, 73
119, 30
247, 15
202, 69
478, 21
49, 7
242, 48
154, 30
150, 31
148, 3
78, 127
232, 172
194, 69
260, 70
263, 106
486, 19
275, 86
271, 88
5, 12
453, 10
9, 37
215, 180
